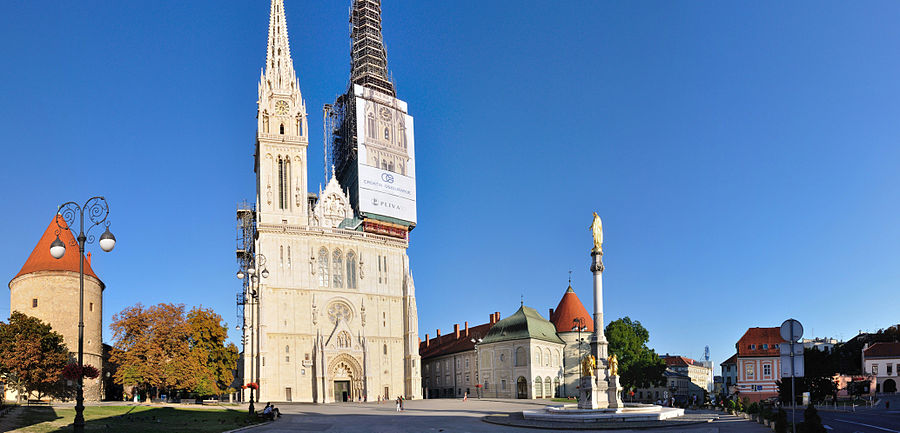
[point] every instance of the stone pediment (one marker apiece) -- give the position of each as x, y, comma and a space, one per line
333, 206
342, 339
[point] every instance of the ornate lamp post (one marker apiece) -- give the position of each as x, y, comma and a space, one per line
97, 211
250, 267
580, 327
477, 341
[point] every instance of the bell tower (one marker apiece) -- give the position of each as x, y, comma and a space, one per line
282, 134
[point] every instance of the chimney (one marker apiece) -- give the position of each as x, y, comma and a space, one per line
467, 329
497, 316
551, 313
427, 341
88, 257
456, 330
438, 334
491, 319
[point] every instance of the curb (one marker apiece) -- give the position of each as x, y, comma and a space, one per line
248, 427
593, 425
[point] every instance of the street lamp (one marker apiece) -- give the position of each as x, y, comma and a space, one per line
477, 341
249, 267
97, 211
580, 327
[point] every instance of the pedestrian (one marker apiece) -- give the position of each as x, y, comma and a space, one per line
466, 396
398, 404
401, 403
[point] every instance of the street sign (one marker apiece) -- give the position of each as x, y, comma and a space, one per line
791, 330
798, 364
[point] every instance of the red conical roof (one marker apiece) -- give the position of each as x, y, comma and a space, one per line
41, 260
568, 309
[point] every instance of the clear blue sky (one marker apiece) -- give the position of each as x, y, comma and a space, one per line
743, 155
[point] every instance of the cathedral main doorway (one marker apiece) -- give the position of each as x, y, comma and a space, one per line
342, 390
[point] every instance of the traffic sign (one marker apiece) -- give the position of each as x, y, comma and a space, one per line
791, 330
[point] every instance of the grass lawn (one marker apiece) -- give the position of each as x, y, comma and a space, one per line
133, 419
564, 400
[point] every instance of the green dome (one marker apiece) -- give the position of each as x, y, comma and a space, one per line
525, 323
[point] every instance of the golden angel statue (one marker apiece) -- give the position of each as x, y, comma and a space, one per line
597, 230
588, 364
613, 365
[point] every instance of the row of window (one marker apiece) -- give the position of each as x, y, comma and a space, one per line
889, 369
764, 346
34, 304
333, 274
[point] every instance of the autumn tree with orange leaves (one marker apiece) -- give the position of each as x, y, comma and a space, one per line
33, 356
162, 348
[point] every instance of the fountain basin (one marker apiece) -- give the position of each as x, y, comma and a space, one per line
631, 412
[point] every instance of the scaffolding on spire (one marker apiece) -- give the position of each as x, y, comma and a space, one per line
368, 57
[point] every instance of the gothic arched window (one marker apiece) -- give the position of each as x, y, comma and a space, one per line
281, 128
371, 125
280, 182
338, 269
387, 134
351, 270
323, 267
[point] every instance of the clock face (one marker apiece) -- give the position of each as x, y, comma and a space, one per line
385, 113
281, 108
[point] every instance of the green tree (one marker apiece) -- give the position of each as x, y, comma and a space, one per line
152, 348
639, 366
32, 356
208, 333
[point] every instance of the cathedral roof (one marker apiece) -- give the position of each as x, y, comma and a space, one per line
524, 323
41, 260
568, 309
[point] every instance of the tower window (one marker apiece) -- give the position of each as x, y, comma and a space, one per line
281, 129
34, 303
351, 270
323, 267
338, 272
91, 306
385, 349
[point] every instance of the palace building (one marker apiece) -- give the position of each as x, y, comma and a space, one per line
330, 313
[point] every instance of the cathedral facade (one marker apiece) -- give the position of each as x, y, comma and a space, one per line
333, 317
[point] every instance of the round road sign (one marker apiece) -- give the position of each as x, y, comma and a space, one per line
791, 330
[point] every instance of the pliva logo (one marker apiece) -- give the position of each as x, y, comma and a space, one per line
379, 203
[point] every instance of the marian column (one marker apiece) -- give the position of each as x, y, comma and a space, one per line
598, 339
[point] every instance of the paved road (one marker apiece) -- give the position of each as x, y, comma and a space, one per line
442, 415
864, 420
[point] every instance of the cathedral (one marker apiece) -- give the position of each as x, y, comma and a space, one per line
328, 305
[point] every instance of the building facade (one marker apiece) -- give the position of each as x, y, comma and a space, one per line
334, 317
699, 374
729, 374
821, 344
759, 363
882, 360
450, 362
48, 289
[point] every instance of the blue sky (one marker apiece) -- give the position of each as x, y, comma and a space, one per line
743, 155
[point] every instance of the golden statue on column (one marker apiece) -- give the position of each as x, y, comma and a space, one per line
588, 364
613, 365
597, 230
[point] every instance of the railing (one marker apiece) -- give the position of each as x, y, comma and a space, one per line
332, 231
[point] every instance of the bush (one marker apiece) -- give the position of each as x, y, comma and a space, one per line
781, 421
753, 408
765, 411
812, 422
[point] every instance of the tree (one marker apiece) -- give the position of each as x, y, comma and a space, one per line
639, 366
781, 421
208, 335
32, 356
152, 348
812, 422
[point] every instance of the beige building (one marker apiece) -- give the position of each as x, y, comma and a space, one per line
48, 289
337, 309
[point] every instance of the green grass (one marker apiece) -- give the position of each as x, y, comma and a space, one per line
133, 419
564, 400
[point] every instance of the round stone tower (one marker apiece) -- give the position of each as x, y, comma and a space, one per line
47, 288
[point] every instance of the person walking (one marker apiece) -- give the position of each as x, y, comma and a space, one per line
398, 404
466, 396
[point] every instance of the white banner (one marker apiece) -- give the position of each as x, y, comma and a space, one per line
386, 155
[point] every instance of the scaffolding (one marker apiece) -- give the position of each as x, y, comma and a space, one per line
245, 250
368, 57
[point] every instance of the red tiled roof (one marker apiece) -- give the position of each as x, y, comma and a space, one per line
883, 350
678, 361
447, 344
764, 341
732, 360
568, 309
41, 260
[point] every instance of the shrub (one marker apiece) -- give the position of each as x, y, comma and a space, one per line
753, 408
812, 422
781, 421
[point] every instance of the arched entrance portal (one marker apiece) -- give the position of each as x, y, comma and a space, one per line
521, 388
889, 386
346, 378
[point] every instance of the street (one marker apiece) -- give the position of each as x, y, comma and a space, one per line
865, 420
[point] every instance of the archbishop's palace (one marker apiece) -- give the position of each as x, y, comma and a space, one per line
328, 302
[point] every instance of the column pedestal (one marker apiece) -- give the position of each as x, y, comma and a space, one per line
593, 391
614, 393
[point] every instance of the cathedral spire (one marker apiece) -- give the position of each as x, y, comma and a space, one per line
279, 71
368, 57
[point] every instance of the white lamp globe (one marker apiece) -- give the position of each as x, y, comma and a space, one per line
265, 273
57, 248
107, 240
240, 275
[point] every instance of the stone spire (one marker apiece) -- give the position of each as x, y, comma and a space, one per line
279, 71
368, 57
